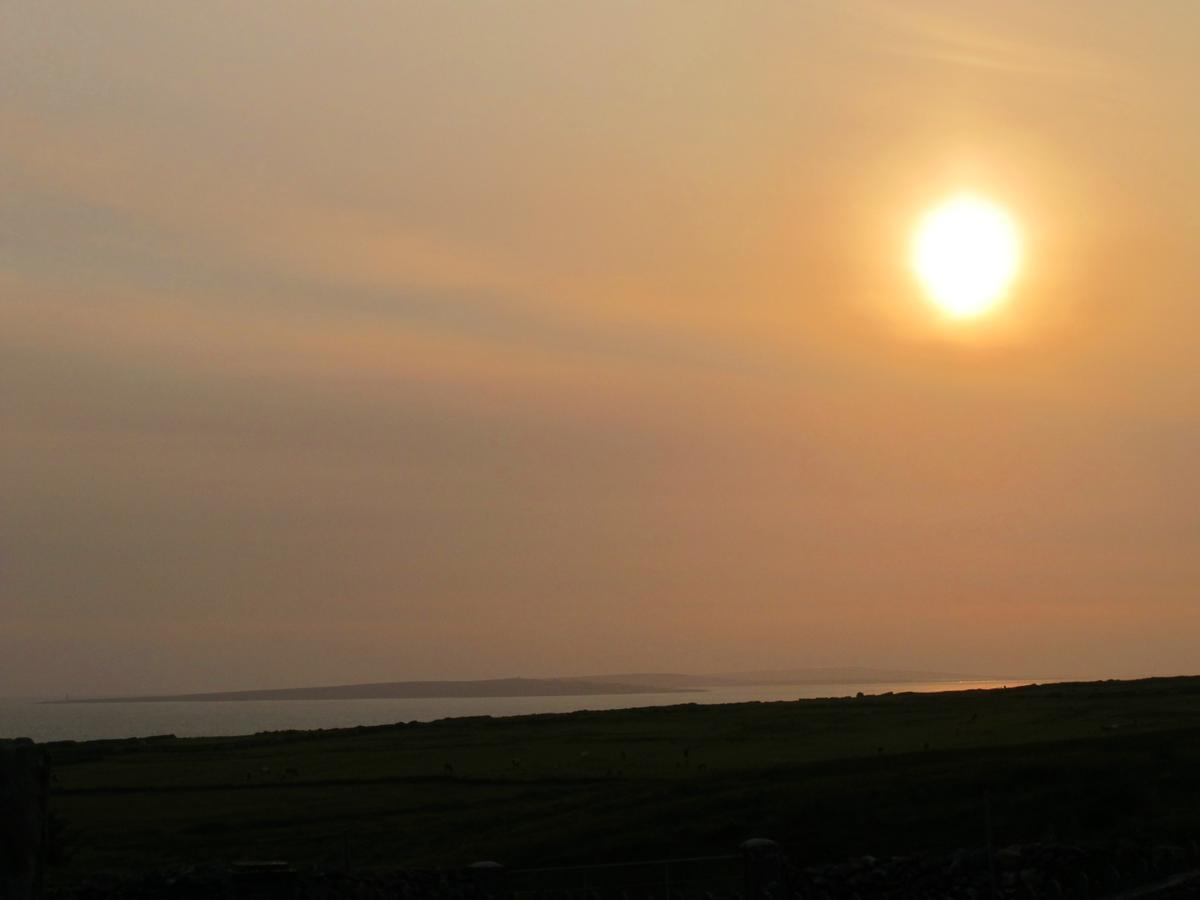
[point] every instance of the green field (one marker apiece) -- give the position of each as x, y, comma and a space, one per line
827, 778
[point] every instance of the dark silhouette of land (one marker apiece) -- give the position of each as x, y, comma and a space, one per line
501, 687
585, 685
826, 675
1069, 790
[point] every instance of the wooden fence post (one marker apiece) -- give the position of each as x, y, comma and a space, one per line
763, 868
24, 787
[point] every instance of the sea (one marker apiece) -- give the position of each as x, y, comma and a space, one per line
28, 717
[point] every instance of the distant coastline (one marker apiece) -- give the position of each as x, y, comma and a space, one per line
402, 690
588, 685
112, 718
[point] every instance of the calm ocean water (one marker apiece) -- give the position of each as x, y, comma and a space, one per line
90, 721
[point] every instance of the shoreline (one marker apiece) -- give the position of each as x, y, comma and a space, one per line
83, 722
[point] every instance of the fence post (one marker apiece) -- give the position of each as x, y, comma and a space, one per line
763, 867
487, 877
24, 786
990, 845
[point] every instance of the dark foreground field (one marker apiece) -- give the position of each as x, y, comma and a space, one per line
1099, 765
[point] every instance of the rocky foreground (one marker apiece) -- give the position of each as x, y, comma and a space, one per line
1019, 872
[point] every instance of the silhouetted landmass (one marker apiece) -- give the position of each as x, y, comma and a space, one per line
830, 675
585, 685
1082, 787
500, 687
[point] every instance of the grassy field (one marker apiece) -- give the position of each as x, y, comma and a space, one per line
826, 778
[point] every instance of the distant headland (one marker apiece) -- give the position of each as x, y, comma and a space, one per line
584, 685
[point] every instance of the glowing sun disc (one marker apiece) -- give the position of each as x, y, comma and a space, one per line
965, 253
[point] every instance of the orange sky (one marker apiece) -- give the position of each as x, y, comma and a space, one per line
344, 343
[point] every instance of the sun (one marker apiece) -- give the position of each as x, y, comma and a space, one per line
966, 252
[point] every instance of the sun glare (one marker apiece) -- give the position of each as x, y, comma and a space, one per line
966, 252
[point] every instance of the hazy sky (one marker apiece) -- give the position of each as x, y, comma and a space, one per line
368, 341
